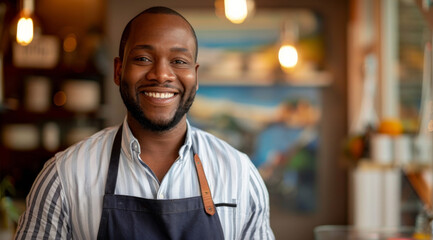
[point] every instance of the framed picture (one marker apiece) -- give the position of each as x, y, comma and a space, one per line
276, 126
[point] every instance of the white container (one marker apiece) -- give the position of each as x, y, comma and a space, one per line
81, 95
403, 149
51, 136
21, 136
381, 148
37, 94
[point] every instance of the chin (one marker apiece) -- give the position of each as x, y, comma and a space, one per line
158, 125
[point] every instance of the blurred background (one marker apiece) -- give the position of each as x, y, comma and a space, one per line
330, 99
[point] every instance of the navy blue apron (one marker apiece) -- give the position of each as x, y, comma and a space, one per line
128, 217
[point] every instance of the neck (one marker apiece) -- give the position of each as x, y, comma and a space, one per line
166, 143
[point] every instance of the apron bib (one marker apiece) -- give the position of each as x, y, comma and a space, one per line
128, 217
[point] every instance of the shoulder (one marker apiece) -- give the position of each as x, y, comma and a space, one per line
94, 144
205, 142
85, 161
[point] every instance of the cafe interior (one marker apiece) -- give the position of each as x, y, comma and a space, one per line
331, 100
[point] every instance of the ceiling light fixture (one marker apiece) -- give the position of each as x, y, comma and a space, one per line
236, 11
25, 26
288, 55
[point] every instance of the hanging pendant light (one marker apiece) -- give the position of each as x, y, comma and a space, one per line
288, 54
236, 11
25, 26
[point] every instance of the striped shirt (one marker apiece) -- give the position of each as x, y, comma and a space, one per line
65, 201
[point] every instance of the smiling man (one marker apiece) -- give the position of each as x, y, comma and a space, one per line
154, 176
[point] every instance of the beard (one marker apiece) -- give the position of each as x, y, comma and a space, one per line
133, 107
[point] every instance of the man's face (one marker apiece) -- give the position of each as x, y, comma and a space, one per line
158, 74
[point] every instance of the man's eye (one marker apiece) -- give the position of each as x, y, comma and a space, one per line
177, 61
142, 59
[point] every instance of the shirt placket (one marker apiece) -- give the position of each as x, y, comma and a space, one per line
163, 191
149, 173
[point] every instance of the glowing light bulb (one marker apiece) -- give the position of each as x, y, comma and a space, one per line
236, 10
25, 31
288, 56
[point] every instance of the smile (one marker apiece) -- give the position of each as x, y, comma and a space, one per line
159, 95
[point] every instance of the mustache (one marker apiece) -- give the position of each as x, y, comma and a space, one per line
124, 85
139, 87
154, 84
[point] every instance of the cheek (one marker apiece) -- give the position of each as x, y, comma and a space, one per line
124, 88
190, 80
133, 73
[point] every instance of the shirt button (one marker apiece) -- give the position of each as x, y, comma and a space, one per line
135, 147
161, 196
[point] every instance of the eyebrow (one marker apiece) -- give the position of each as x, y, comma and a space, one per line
178, 49
149, 47
143, 47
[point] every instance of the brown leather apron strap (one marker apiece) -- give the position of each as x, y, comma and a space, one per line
206, 196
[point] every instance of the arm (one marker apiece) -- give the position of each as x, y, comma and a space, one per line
46, 214
258, 225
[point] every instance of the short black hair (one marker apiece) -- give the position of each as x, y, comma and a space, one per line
153, 10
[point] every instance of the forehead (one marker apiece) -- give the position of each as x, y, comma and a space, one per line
156, 27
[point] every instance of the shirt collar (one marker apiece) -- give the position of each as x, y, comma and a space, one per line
131, 146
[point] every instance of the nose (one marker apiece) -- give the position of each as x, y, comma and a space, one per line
161, 72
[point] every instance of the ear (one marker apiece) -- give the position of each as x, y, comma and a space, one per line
196, 75
117, 70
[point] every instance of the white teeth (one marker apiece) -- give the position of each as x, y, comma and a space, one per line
159, 95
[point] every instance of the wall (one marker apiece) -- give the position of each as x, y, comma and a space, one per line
332, 179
